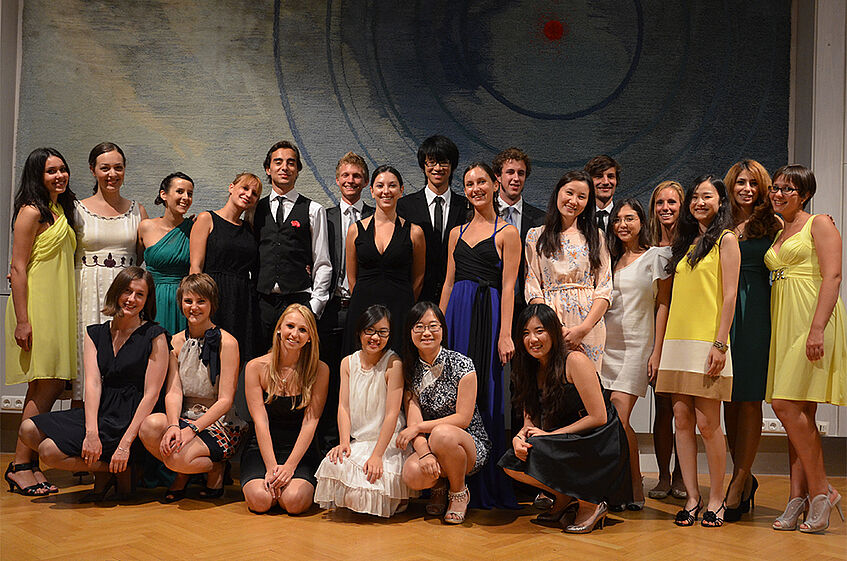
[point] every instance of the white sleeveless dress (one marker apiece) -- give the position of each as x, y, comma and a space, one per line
345, 484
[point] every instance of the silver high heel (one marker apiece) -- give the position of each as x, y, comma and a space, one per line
818, 518
835, 502
788, 520
597, 519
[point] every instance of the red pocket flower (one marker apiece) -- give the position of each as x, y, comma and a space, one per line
295, 223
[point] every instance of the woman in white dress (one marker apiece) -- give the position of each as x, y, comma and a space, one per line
106, 227
640, 289
364, 472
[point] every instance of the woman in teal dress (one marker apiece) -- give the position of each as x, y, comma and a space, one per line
166, 247
755, 225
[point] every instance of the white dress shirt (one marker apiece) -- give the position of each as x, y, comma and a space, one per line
430, 203
321, 265
517, 211
346, 221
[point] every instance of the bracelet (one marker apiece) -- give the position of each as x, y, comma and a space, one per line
174, 425
425, 455
722, 347
520, 437
122, 449
193, 427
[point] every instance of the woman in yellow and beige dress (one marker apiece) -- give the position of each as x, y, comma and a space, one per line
41, 314
694, 367
808, 354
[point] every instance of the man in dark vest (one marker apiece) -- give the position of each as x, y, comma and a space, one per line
294, 265
351, 176
436, 209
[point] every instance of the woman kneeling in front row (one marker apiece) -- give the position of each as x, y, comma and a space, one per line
572, 444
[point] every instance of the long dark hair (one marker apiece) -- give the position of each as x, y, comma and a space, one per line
368, 318
528, 397
494, 198
688, 228
103, 148
549, 242
32, 192
410, 351
616, 247
763, 222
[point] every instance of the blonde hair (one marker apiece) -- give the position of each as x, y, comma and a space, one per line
355, 160
306, 369
655, 229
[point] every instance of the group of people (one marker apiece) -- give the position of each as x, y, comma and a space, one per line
355, 354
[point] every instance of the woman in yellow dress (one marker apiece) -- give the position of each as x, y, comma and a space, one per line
694, 366
41, 314
808, 353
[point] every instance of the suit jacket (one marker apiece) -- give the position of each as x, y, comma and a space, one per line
413, 208
531, 218
336, 238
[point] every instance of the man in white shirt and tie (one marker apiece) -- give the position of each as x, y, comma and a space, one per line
291, 230
351, 176
605, 172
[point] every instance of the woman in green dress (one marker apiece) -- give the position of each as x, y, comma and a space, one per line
755, 224
166, 247
41, 313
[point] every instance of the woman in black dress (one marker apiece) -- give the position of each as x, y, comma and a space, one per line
572, 444
286, 390
125, 360
223, 246
386, 259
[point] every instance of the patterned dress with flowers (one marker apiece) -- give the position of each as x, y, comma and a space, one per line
105, 246
569, 286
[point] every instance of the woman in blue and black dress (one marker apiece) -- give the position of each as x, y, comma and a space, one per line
478, 302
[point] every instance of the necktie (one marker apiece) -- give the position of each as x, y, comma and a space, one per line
439, 216
280, 212
601, 219
349, 218
510, 216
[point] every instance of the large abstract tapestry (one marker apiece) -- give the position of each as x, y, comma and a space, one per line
669, 89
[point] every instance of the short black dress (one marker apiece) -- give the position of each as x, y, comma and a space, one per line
284, 424
122, 378
232, 258
592, 466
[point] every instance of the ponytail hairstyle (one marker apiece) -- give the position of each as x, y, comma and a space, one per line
165, 186
103, 148
490, 173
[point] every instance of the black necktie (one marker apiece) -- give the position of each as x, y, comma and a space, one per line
601, 219
280, 213
439, 216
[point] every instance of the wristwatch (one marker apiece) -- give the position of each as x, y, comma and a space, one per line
722, 347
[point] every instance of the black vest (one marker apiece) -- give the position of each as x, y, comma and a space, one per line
285, 250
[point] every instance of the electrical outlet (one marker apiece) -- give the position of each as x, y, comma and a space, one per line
823, 427
12, 403
772, 426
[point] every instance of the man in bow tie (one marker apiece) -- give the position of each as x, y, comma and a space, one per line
605, 172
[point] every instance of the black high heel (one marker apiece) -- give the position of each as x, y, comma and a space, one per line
686, 517
95, 496
14, 487
750, 501
49, 487
711, 518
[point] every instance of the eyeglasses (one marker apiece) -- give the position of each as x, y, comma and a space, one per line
431, 164
433, 327
625, 219
383, 333
785, 189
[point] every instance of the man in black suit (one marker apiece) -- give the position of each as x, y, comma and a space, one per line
512, 168
294, 265
605, 173
436, 208
351, 176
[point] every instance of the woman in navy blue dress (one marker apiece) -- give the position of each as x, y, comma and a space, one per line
478, 300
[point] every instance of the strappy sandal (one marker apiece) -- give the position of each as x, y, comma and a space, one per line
36, 490
453, 516
437, 500
687, 517
46, 485
711, 519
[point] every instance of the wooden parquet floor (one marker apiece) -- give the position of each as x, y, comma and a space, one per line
57, 528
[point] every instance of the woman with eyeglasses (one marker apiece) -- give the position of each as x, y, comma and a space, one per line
444, 427
641, 291
756, 225
364, 472
808, 353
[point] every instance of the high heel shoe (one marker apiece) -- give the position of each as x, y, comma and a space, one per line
437, 499
35, 490
817, 521
788, 519
687, 517
750, 501
596, 519
463, 497
564, 516
46, 485
97, 496
711, 518
835, 500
